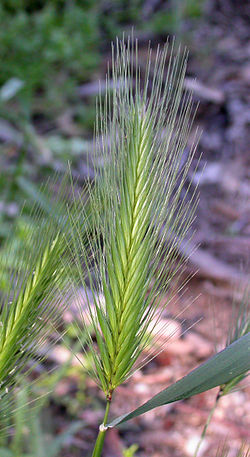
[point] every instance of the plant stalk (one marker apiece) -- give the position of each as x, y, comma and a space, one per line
102, 433
204, 431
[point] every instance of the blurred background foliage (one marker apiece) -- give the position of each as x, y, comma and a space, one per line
48, 51
52, 55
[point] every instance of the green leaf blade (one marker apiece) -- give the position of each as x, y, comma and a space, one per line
218, 370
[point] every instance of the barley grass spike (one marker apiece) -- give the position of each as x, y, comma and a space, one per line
142, 206
32, 301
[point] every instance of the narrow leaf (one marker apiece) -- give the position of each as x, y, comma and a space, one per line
220, 369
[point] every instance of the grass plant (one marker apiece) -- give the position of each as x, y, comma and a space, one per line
142, 206
32, 297
117, 251
239, 326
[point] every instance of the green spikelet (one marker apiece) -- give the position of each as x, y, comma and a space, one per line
140, 207
130, 250
36, 293
20, 318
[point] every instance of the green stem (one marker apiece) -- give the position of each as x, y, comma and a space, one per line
204, 431
102, 433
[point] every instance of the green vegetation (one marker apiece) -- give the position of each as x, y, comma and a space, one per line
32, 437
118, 238
239, 327
49, 50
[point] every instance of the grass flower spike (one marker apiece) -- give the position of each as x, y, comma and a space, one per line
142, 206
34, 297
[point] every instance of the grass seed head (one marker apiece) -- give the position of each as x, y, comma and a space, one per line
142, 206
